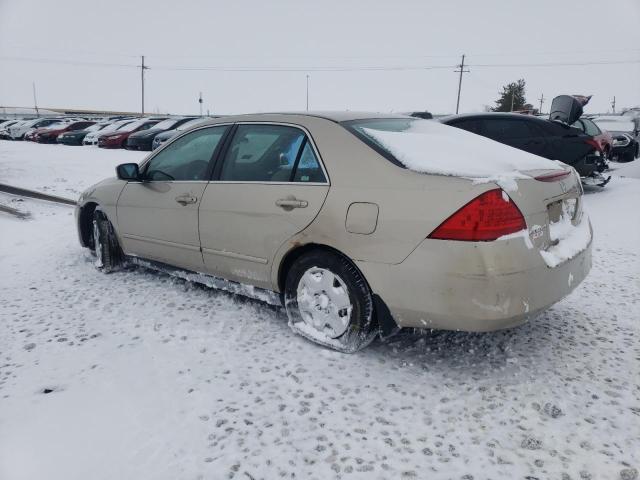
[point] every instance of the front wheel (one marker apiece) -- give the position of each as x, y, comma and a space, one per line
329, 302
105, 243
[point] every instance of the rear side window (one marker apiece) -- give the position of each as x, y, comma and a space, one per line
502, 129
270, 153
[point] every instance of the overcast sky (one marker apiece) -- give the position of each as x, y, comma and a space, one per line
83, 54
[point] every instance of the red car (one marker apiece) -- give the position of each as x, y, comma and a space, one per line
50, 134
603, 138
118, 138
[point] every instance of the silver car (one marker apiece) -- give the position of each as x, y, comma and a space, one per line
359, 224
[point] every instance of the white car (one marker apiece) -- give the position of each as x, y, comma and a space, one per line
92, 137
4, 128
18, 131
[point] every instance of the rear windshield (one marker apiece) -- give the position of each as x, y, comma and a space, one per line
166, 124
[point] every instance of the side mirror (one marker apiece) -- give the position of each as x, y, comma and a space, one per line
128, 172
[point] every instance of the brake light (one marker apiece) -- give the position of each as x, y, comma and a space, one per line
553, 177
594, 144
487, 217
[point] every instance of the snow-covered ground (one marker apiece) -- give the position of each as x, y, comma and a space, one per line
137, 375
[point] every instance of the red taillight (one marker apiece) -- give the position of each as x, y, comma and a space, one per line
553, 177
485, 218
594, 144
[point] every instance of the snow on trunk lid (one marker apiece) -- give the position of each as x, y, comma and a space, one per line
427, 146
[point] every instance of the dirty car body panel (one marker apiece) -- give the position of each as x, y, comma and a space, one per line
230, 223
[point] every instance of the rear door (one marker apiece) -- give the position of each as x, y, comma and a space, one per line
516, 133
158, 217
269, 186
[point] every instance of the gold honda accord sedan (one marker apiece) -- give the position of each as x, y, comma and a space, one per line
358, 223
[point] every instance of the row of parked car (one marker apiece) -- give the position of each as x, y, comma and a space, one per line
586, 143
141, 133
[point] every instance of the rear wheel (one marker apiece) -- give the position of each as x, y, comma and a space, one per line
328, 301
105, 243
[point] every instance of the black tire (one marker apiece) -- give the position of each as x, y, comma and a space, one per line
361, 329
105, 243
628, 156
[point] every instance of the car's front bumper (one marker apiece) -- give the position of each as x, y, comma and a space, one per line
71, 140
473, 286
116, 143
135, 143
619, 153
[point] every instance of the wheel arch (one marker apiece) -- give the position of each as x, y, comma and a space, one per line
296, 252
85, 223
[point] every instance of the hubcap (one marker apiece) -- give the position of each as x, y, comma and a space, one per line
323, 301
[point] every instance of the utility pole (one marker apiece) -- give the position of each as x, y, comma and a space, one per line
307, 92
541, 102
513, 94
613, 104
200, 102
35, 100
461, 71
142, 69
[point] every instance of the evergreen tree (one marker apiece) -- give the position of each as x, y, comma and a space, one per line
512, 97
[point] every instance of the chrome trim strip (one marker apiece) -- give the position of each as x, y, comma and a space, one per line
311, 141
239, 256
161, 242
255, 122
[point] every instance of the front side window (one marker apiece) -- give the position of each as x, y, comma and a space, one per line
186, 159
270, 153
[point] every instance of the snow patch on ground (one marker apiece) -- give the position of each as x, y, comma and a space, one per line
154, 377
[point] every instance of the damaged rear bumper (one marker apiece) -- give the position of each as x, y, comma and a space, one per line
489, 286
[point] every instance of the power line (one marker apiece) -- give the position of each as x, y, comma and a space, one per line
315, 69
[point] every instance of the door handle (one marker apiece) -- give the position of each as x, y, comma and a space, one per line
290, 203
186, 199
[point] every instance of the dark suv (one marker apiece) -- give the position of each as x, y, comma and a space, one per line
550, 139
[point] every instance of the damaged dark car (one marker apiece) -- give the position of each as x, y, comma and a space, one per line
554, 138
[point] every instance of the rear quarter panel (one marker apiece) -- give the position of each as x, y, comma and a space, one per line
411, 205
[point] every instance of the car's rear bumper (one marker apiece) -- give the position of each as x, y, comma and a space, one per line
479, 286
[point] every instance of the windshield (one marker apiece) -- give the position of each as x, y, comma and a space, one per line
94, 128
615, 126
55, 126
115, 125
166, 124
428, 146
129, 125
191, 123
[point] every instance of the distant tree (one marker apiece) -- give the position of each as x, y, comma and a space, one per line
512, 97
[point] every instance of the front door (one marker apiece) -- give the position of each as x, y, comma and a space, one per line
158, 217
269, 186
